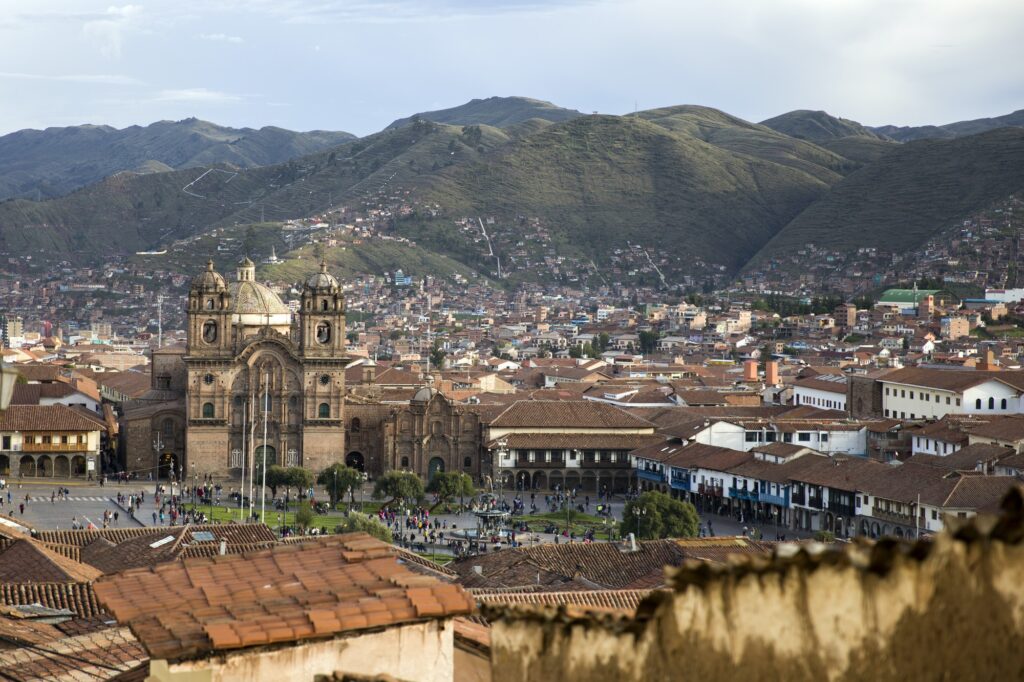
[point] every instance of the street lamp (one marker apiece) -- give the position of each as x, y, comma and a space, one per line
158, 446
639, 512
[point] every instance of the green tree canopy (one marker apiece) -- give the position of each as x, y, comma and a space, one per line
356, 523
277, 477
300, 479
304, 515
338, 478
448, 485
660, 517
396, 485
648, 342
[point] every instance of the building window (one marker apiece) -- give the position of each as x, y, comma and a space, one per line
405, 462
958, 402
824, 438
209, 331
1002, 404
168, 428
977, 404
467, 462
947, 401
887, 390
887, 413
323, 411
750, 436
991, 403
803, 437
323, 304
911, 395
903, 393
356, 425
207, 410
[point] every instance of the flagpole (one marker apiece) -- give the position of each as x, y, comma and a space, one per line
266, 410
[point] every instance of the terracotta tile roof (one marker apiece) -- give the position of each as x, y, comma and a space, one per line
621, 600
967, 457
599, 565
1009, 428
582, 441
414, 561
45, 418
27, 561
951, 380
100, 655
470, 631
76, 597
295, 591
243, 533
566, 413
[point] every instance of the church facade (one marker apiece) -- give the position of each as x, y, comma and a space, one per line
255, 383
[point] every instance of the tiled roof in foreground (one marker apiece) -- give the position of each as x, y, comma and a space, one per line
292, 592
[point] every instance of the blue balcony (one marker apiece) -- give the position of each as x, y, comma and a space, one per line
655, 476
780, 500
680, 483
741, 494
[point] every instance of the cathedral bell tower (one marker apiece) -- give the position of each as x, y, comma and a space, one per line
322, 316
209, 315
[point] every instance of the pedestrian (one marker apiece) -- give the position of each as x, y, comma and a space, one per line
22, 508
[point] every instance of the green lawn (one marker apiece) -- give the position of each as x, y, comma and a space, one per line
580, 523
223, 514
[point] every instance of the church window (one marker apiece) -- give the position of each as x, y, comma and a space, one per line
324, 411
325, 379
323, 304
209, 379
323, 332
356, 425
207, 410
163, 382
293, 401
468, 462
168, 428
209, 331
209, 304
437, 428
405, 462
238, 401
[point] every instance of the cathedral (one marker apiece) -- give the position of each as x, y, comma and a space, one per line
253, 383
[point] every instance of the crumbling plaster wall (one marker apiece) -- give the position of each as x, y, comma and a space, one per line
952, 609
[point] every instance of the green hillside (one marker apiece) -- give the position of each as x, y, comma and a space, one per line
499, 112
601, 180
951, 130
910, 194
818, 126
52, 162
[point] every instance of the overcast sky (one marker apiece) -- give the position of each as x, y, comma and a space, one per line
356, 65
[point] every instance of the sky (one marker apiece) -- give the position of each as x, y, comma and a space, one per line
356, 65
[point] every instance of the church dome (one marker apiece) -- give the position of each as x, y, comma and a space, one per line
322, 280
209, 279
424, 394
248, 298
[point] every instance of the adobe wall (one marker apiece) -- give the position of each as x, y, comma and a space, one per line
952, 610
863, 397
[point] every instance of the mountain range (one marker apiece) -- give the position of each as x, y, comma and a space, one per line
52, 162
688, 180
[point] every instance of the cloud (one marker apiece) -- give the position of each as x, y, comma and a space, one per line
221, 38
195, 95
108, 31
91, 78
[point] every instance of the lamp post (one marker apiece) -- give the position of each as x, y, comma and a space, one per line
158, 446
639, 512
363, 478
335, 495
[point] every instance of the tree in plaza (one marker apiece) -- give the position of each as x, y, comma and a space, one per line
300, 479
648, 342
355, 523
395, 485
660, 516
338, 478
304, 515
448, 485
277, 477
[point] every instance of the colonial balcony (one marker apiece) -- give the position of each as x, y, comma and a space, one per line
744, 494
706, 489
892, 517
654, 476
54, 447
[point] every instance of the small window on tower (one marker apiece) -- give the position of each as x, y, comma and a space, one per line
209, 331
323, 304
323, 332
209, 304
324, 411
207, 410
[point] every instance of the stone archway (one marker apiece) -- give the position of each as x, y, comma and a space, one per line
589, 482
44, 465
436, 465
61, 467
540, 480
78, 465
355, 460
27, 466
572, 481
522, 480
555, 481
